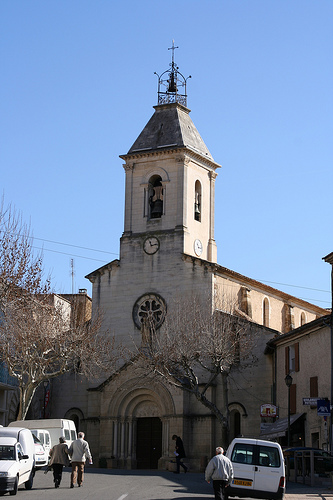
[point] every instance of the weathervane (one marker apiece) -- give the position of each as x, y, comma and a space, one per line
171, 83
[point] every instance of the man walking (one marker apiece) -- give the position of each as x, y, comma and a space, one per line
79, 451
59, 458
180, 453
221, 472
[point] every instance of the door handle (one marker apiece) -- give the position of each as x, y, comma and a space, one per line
256, 468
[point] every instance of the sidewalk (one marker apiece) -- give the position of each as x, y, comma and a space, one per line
297, 491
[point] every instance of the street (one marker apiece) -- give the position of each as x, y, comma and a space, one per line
112, 484
107, 484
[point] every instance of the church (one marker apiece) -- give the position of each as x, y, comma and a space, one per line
168, 250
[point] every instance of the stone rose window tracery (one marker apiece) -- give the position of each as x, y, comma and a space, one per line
148, 310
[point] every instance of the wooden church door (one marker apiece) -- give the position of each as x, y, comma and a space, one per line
148, 442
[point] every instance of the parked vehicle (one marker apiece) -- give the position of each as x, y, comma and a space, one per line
41, 456
259, 470
44, 437
57, 427
323, 460
17, 460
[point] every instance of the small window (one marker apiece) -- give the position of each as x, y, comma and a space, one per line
197, 201
265, 312
313, 387
242, 453
67, 434
292, 358
73, 435
269, 456
47, 439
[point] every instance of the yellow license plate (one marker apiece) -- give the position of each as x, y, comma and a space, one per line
242, 482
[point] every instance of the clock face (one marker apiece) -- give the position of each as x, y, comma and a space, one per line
151, 245
198, 247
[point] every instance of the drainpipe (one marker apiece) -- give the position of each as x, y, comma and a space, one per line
329, 260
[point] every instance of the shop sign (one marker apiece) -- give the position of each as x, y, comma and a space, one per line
268, 410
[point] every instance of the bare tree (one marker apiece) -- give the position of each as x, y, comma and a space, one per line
196, 349
40, 335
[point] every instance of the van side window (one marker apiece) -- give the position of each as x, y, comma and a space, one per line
67, 434
19, 451
242, 453
47, 439
269, 456
73, 435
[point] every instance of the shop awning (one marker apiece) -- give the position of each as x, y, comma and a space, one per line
280, 427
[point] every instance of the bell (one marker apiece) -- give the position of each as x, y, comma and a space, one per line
157, 209
172, 84
197, 212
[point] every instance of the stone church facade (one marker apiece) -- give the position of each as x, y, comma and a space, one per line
168, 250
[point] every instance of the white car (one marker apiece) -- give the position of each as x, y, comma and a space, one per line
16, 459
41, 456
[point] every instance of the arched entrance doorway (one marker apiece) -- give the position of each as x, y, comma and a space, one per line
148, 442
138, 419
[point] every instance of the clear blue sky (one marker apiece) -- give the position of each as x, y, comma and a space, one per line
78, 86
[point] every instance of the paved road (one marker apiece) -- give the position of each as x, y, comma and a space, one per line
105, 484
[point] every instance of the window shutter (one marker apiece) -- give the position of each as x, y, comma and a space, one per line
297, 357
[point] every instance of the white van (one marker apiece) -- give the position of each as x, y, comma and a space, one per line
44, 438
57, 427
41, 455
259, 470
16, 459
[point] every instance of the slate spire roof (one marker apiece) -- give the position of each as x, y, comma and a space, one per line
170, 127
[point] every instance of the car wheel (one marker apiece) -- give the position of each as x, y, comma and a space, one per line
28, 484
14, 490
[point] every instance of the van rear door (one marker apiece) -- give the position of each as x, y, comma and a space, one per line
268, 465
242, 457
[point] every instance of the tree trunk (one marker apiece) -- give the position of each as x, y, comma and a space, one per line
225, 428
27, 392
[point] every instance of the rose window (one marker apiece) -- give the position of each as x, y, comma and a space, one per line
150, 308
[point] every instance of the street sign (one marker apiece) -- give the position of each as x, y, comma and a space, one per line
323, 408
310, 401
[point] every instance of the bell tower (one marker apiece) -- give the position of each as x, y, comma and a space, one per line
170, 176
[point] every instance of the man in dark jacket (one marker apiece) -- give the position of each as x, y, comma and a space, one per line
180, 453
59, 459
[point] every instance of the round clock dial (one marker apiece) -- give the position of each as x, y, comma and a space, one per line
151, 245
198, 247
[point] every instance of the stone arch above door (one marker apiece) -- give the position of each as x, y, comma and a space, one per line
133, 400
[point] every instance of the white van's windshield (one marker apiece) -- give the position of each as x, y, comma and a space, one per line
7, 453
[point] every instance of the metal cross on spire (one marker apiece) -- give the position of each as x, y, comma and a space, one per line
173, 52
171, 83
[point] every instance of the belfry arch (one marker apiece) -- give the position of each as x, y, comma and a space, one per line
138, 418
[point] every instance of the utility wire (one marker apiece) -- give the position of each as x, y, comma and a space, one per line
113, 253
74, 246
70, 254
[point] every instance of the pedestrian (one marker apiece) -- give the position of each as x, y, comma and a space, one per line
59, 458
180, 453
220, 470
79, 452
